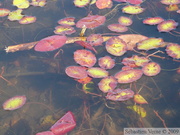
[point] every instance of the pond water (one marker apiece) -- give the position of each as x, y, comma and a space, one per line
50, 93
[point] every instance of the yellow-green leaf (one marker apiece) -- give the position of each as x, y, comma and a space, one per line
22, 4
138, 109
15, 15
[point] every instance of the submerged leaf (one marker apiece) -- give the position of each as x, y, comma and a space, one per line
120, 94
139, 110
139, 99
88, 87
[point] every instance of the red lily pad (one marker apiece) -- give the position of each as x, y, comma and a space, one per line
132, 39
135, 61
45, 133
95, 39
101, 4
107, 84
14, 103
170, 2
135, 2
125, 21
4, 12
106, 62
27, 20
128, 76
50, 43
153, 20
91, 21
151, 69
117, 28
173, 7
120, 94
64, 30
84, 80
85, 58
167, 25
173, 50
126, 68
86, 45
64, 125
77, 72
116, 46
68, 21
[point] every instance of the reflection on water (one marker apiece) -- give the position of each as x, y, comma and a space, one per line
51, 93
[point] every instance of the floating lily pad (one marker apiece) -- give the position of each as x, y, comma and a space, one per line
150, 43
170, 2
107, 84
97, 72
125, 21
101, 4
153, 20
27, 20
116, 46
64, 30
91, 21
21, 4
167, 25
4, 12
117, 28
128, 76
38, 3
173, 50
151, 69
130, 9
132, 39
95, 39
106, 62
85, 58
50, 43
76, 72
81, 3
68, 21
14, 103
15, 15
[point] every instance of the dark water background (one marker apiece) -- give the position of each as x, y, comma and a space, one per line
51, 93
